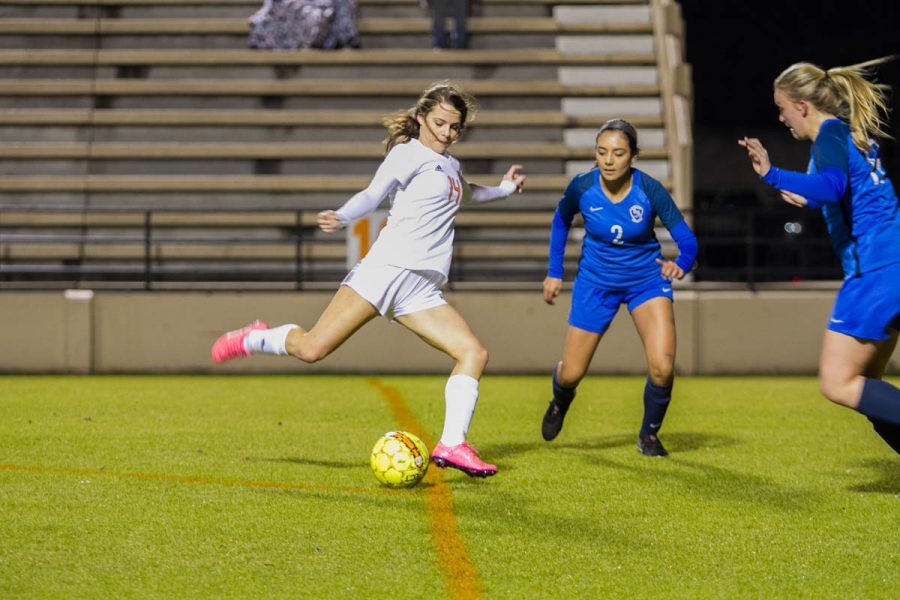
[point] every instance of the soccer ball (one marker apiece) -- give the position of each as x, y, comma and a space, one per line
399, 459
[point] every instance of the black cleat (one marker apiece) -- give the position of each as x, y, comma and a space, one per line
649, 445
553, 418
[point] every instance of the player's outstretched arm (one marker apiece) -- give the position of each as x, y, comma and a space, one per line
793, 199
514, 174
759, 156
512, 181
328, 221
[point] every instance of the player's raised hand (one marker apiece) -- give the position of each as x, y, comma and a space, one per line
670, 270
759, 156
793, 199
516, 177
552, 286
328, 221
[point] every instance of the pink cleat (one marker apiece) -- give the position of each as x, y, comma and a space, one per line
231, 345
462, 457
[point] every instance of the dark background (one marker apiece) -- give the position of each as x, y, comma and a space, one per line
736, 49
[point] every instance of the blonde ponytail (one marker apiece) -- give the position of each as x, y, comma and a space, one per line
845, 92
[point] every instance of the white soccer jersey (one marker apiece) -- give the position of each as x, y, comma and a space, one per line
428, 191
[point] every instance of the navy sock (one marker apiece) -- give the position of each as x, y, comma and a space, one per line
562, 395
889, 432
656, 402
880, 400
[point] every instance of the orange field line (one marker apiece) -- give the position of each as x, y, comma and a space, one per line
454, 563
284, 485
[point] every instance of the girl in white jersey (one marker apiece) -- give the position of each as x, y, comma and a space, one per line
402, 275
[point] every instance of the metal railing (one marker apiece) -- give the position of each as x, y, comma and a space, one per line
150, 249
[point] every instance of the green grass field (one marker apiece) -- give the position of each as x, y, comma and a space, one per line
131, 487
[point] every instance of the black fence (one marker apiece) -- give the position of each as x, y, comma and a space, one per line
45, 248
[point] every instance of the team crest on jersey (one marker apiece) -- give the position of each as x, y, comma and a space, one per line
637, 213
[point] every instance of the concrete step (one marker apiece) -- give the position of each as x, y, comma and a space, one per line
430, 72
321, 64
639, 106
312, 57
228, 192
371, 132
376, 25
600, 13
485, 32
606, 44
285, 126
349, 151
389, 95
128, 9
307, 87
231, 192
420, 41
648, 137
284, 118
625, 75
234, 184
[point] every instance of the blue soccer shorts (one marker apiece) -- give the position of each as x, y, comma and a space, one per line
594, 308
868, 305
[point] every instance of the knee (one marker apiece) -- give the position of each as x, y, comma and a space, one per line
835, 389
569, 376
472, 358
662, 373
478, 356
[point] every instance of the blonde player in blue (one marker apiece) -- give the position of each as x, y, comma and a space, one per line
621, 263
840, 111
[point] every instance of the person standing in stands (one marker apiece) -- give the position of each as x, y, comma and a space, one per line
441, 10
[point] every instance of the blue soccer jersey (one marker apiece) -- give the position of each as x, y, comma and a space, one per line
857, 199
620, 246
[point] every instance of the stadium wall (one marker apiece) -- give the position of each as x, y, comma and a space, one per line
171, 332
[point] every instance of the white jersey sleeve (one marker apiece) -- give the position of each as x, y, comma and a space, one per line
394, 172
479, 193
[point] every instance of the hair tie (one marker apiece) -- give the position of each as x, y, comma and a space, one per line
827, 78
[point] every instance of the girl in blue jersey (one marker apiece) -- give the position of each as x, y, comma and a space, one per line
839, 111
621, 263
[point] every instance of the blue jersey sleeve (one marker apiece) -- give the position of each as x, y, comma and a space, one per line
562, 222
831, 159
662, 202
673, 220
687, 246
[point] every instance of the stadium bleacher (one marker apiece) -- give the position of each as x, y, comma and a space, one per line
152, 113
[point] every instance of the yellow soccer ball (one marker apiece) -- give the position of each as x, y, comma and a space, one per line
399, 459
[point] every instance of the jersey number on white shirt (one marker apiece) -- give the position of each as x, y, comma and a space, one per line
455, 188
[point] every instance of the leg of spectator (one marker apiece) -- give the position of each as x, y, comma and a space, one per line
460, 10
439, 12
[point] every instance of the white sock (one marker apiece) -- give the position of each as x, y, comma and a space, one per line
269, 341
461, 396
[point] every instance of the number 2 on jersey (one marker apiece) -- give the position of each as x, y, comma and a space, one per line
617, 230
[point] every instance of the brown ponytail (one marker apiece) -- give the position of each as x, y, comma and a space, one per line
402, 126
